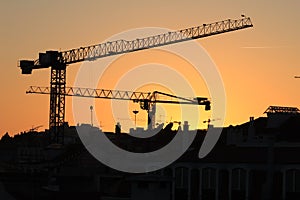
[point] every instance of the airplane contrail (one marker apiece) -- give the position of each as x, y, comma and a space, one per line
263, 47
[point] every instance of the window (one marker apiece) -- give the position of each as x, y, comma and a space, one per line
238, 179
209, 178
181, 177
293, 180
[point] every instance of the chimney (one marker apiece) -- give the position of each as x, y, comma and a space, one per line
118, 128
251, 129
186, 126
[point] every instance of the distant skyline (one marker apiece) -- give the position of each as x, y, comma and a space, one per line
257, 65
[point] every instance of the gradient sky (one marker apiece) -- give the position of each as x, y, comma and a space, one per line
257, 65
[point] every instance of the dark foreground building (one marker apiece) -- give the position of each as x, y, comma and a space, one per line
255, 160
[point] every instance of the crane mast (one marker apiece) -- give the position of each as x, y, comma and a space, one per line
58, 61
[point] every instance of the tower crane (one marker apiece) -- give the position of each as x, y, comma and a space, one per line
147, 100
34, 128
58, 61
210, 120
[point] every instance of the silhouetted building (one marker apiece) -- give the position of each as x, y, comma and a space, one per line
255, 160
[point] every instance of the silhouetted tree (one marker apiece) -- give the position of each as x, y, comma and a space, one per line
5, 137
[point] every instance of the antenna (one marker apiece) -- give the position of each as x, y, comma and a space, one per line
135, 112
91, 108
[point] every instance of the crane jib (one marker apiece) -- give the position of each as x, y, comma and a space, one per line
93, 52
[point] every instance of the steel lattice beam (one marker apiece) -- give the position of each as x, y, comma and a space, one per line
281, 109
123, 46
154, 97
94, 93
57, 105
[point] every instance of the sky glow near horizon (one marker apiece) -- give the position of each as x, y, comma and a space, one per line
257, 65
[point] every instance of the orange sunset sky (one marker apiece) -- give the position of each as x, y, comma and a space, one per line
257, 65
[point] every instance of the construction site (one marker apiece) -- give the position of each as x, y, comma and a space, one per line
256, 159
